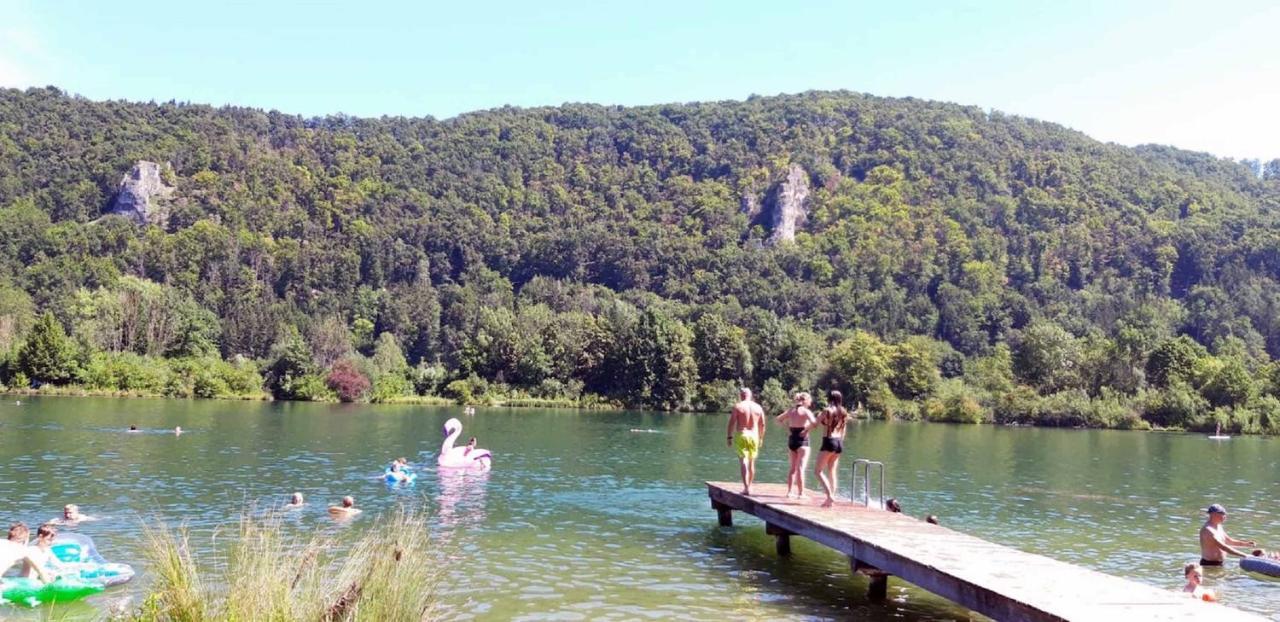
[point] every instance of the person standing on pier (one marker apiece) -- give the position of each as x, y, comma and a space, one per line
834, 418
799, 420
1214, 540
746, 434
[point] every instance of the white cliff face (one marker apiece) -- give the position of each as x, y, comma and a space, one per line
139, 194
789, 210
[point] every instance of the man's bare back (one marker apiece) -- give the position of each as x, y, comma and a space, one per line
747, 415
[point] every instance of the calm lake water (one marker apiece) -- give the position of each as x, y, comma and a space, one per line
603, 515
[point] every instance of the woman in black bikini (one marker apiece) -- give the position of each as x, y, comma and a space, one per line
834, 418
799, 420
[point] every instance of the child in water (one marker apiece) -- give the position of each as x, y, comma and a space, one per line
1194, 574
43, 552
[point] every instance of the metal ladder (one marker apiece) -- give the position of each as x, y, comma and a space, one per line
867, 467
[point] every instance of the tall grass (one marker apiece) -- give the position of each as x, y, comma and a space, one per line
388, 574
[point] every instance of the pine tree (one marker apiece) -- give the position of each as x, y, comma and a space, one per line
48, 355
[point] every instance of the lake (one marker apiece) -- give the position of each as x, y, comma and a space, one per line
603, 515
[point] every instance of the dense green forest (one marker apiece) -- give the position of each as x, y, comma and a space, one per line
949, 263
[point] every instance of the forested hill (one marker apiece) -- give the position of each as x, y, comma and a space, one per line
524, 247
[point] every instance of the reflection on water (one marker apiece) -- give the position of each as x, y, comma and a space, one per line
591, 515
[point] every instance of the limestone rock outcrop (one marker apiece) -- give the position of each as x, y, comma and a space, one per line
143, 195
787, 208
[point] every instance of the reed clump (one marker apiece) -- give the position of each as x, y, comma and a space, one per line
390, 573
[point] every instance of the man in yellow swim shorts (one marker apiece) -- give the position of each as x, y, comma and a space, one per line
746, 434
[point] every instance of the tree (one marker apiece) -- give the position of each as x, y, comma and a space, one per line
330, 341
347, 381
913, 372
387, 357
1174, 360
1230, 385
862, 366
655, 364
290, 365
47, 355
721, 350
1048, 357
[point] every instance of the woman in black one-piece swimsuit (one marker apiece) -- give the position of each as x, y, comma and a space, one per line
799, 419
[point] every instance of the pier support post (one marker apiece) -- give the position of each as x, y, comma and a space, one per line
723, 512
878, 589
782, 538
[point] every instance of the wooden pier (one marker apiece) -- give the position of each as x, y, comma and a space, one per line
992, 579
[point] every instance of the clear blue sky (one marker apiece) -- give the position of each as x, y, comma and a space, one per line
1196, 74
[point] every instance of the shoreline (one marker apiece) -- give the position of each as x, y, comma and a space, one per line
421, 400
531, 402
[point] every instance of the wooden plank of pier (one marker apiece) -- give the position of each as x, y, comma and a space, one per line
992, 579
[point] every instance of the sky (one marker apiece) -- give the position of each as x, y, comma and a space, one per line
1197, 75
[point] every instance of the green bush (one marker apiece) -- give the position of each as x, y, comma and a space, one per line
389, 387
902, 410
428, 379
469, 390
1267, 409
1176, 406
125, 371
306, 388
1017, 405
955, 402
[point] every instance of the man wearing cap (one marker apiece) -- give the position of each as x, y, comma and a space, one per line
1214, 540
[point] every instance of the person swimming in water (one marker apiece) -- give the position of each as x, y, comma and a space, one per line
834, 418
745, 434
295, 501
799, 420
1194, 575
71, 516
43, 552
14, 549
348, 507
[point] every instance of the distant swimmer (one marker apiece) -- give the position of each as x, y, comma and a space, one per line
177, 431
71, 515
799, 420
1214, 541
1194, 575
745, 434
348, 507
931, 519
15, 550
295, 502
133, 428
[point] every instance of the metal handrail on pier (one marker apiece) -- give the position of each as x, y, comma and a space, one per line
866, 481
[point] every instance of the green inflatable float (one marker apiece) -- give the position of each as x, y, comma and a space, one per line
33, 593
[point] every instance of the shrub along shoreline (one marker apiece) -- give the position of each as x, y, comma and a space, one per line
1046, 377
955, 403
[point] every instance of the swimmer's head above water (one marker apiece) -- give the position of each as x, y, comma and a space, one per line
18, 532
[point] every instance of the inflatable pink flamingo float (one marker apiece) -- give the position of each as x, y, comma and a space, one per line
460, 457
